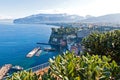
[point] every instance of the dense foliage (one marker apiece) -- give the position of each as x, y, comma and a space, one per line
48, 76
71, 67
65, 30
24, 75
107, 43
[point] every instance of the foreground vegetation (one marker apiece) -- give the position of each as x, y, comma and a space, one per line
107, 43
101, 52
24, 75
71, 67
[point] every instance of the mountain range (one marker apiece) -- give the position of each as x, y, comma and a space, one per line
110, 18
48, 18
6, 20
54, 18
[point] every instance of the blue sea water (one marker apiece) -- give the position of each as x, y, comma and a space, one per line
16, 40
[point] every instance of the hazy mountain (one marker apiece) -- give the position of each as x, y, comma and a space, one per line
54, 18
6, 20
48, 18
110, 18
88, 16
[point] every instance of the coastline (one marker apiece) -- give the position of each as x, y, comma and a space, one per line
21, 43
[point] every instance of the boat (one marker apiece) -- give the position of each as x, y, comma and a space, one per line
38, 53
18, 68
49, 49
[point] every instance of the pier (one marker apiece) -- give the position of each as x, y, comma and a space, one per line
34, 51
4, 70
48, 44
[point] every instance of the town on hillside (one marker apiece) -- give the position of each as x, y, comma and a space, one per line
70, 35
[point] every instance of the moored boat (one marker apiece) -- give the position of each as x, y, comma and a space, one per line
38, 53
17, 67
49, 49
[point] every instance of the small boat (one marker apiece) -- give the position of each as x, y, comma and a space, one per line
38, 53
49, 49
17, 68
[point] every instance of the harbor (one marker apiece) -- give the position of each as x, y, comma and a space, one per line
18, 49
4, 70
38, 51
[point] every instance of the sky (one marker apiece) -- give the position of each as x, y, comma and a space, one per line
21, 8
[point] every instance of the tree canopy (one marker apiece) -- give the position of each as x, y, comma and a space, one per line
107, 43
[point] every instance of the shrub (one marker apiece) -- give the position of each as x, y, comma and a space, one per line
107, 43
24, 75
71, 67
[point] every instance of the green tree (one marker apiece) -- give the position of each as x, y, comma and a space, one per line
107, 43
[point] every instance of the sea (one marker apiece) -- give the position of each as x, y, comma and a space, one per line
17, 40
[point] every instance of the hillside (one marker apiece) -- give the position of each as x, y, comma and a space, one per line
48, 18
110, 18
64, 18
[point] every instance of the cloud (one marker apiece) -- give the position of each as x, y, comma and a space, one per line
48, 11
102, 7
57, 11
